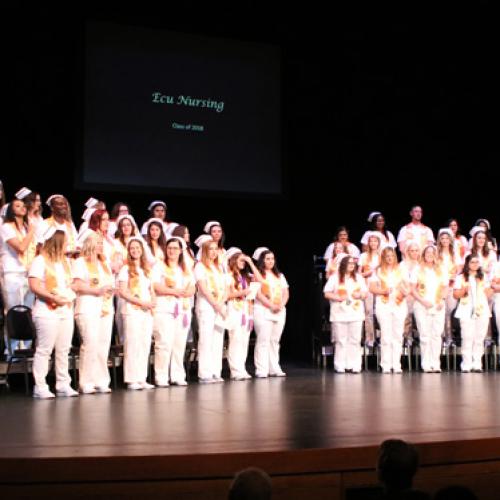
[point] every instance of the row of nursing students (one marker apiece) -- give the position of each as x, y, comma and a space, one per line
226, 301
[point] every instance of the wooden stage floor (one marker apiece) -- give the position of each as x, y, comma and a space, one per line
315, 432
310, 409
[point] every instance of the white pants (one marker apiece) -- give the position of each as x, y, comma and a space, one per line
347, 345
391, 321
267, 345
238, 350
95, 331
474, 332
15, 291
369, 323
170, 336
430, 328
210, 345
52, 332
138, 329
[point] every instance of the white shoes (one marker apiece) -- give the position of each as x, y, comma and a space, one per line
67, 392
87, 389
43, 393
162, 384
135, 386
206, 381
278, 374
147, 386
103, 389
179, 383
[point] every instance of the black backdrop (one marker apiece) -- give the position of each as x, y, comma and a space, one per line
377, 114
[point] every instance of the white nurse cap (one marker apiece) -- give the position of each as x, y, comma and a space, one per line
209, 224
258, 252
231, 252
373, 215
157, 202
22, 193
202, 239
51, 197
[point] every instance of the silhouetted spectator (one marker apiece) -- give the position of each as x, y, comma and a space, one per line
455, 493
396, 466
251, 484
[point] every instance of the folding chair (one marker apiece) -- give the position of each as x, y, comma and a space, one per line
20, 327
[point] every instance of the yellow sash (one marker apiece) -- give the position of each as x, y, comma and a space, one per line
29, 254
271, 288
479, 293
171, 283
93, 270
51, 279
215, 282
384, 286
421, 287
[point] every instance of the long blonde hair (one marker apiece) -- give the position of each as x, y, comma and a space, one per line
89, 248
53, 248
383, 258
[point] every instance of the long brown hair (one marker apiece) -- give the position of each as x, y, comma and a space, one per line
143, 262
237, 273
182, 264
343, 268
204, 254
475, 249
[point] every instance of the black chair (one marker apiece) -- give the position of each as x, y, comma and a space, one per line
20, 327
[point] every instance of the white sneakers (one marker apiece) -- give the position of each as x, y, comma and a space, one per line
67, 392
43, 393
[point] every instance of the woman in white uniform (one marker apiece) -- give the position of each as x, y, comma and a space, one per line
136, 289
450, 263
480, 247
158, 210
390, 288
242, 272
472, 290
377, 221
99, 223
367, 264
18, 249
126, 229
155, 241
269, 315
214, 229
174, 287
211, 312
460, 244
50, 280
342, 236
118, 210
188, 254
338, 251
429, 287
410, 262
93, 282
346, 291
